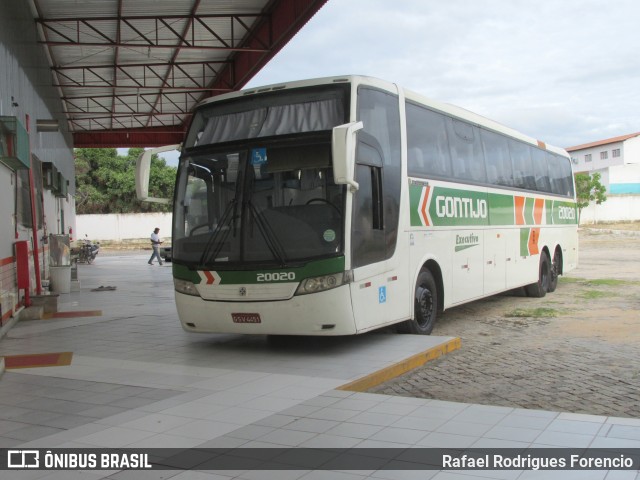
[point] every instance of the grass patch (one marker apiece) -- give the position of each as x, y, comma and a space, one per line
598, 282
541, 312
594, 294
610, 282
571, 280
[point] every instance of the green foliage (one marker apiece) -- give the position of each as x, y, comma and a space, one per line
105, 182
588, 189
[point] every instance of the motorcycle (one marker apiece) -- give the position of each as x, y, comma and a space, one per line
87, 250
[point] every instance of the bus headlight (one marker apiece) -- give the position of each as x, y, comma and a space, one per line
325, 282
186, 287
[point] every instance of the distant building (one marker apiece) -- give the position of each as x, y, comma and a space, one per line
618, 161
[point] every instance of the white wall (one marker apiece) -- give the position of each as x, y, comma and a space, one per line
632, 150
617, 208
625, 174
122, 226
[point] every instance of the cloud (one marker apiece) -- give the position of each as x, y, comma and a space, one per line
565, 72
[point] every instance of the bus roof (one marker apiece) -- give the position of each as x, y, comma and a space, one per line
447, 108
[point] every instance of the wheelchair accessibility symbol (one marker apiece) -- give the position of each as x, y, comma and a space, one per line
382, 295
258, 156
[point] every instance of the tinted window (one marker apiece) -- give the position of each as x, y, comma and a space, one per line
523, 176
427, 145
497, 159
465, 146
367, 239
560, 175
380, 114
540, 170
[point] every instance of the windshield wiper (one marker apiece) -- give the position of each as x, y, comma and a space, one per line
271, 239
213, 244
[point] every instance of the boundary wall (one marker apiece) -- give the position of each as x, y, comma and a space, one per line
617, 208
121, 227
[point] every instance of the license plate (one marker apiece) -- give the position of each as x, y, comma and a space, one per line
246, 318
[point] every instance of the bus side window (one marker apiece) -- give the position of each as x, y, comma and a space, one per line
368, 240
560, 175
540, 170
428, 149
380, 114
467, 156
497, 159
522, 168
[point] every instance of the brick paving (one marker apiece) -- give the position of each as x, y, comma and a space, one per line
585, 360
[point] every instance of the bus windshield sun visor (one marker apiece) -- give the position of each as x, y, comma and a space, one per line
303, 117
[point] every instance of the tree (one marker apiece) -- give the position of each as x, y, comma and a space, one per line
588, 189
105, 182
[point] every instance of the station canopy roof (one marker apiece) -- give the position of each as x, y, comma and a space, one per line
129, 72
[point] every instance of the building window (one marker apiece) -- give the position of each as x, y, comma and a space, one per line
587, 158
604, 155
615, 153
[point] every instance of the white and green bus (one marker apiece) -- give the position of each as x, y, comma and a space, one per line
342, 205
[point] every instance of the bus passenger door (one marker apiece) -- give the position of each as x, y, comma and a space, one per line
467, 265
495, 268
376, 292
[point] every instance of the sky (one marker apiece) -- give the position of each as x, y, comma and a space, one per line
565, 72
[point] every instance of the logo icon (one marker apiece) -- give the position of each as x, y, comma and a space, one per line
23, 459
242, 291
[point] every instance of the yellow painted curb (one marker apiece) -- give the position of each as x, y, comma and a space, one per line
383, 375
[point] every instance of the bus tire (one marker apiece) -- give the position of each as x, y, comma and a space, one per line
425, 306
554, 272
540, 288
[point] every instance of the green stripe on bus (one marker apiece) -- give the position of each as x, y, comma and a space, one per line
524, 241
451, 207
564, 213
230, 277
501, 209
528, 210
415, 192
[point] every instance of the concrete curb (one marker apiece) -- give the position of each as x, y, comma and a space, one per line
3, 331
599, 231
12, 321
376, 378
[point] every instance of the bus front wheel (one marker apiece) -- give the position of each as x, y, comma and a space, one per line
425, 306
540, 288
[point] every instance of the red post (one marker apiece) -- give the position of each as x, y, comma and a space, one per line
22, 269
34, 218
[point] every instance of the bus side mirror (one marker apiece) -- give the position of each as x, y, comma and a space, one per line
343, 150
143, 168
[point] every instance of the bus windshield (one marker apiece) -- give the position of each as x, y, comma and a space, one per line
255, 182
271, 204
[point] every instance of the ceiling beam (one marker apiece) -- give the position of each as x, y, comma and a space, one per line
132, 137
133, 32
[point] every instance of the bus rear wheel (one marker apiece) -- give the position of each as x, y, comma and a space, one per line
425, 306
540, 288
554, 272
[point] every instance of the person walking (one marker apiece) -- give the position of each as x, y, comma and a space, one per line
155, 244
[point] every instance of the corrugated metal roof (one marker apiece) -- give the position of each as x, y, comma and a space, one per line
598, 143
140, 66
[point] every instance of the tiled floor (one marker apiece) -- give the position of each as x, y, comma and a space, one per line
138, 380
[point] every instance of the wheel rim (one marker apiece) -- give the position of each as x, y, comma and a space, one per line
424, 306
